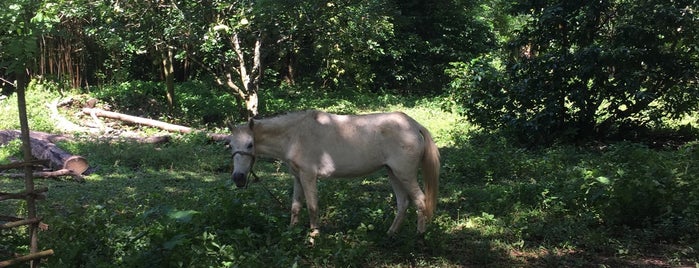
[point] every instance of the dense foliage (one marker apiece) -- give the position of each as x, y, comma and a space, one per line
546, 70
587, 70
364, 45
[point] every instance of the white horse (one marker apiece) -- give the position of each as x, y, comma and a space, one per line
316, 144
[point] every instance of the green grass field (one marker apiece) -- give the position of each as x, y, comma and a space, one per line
173, 205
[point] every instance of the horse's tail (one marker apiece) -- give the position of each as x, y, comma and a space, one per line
430, 172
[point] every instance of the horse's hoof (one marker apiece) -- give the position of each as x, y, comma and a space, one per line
311, 237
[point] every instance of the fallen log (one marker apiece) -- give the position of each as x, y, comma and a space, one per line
53, 138
137, 120
44, 149
150, 122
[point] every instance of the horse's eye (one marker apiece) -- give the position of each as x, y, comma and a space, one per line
249, 145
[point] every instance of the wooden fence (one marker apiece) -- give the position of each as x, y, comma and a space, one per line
30, 195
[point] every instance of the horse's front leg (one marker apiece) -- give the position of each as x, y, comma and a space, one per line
296, 200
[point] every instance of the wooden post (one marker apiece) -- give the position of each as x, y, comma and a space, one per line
22, 81
19, 223
31, 257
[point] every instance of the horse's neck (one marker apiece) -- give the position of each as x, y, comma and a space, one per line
271, 141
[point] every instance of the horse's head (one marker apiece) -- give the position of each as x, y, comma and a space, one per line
243, 152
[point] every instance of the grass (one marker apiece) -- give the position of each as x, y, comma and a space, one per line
172, 205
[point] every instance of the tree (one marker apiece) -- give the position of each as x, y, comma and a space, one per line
579, 70
226, 39
357, 45
428, 36
349, 38
154, 27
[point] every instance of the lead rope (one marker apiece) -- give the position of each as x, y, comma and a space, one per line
257, 179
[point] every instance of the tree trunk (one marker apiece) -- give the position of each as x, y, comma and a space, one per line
250, 80
289, 72
235, 76
169, 73
251, 104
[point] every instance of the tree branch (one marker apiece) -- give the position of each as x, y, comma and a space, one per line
231, 84
235, 41
257, 62
7, 81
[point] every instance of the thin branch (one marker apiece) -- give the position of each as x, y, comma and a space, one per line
7, 81
219, 80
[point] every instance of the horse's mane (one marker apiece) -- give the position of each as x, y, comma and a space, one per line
285, 119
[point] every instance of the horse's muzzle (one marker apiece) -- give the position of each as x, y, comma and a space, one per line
240, 179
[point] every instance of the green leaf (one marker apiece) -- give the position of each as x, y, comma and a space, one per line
174, 241
603, 180
184, 216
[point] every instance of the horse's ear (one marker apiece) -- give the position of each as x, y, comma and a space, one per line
230, 125
251, 123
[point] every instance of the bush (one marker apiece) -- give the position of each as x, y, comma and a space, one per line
585, 70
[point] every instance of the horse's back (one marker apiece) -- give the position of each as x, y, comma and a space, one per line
351, 145
394, 127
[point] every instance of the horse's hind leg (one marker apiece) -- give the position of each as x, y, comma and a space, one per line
402, 202
408, 182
